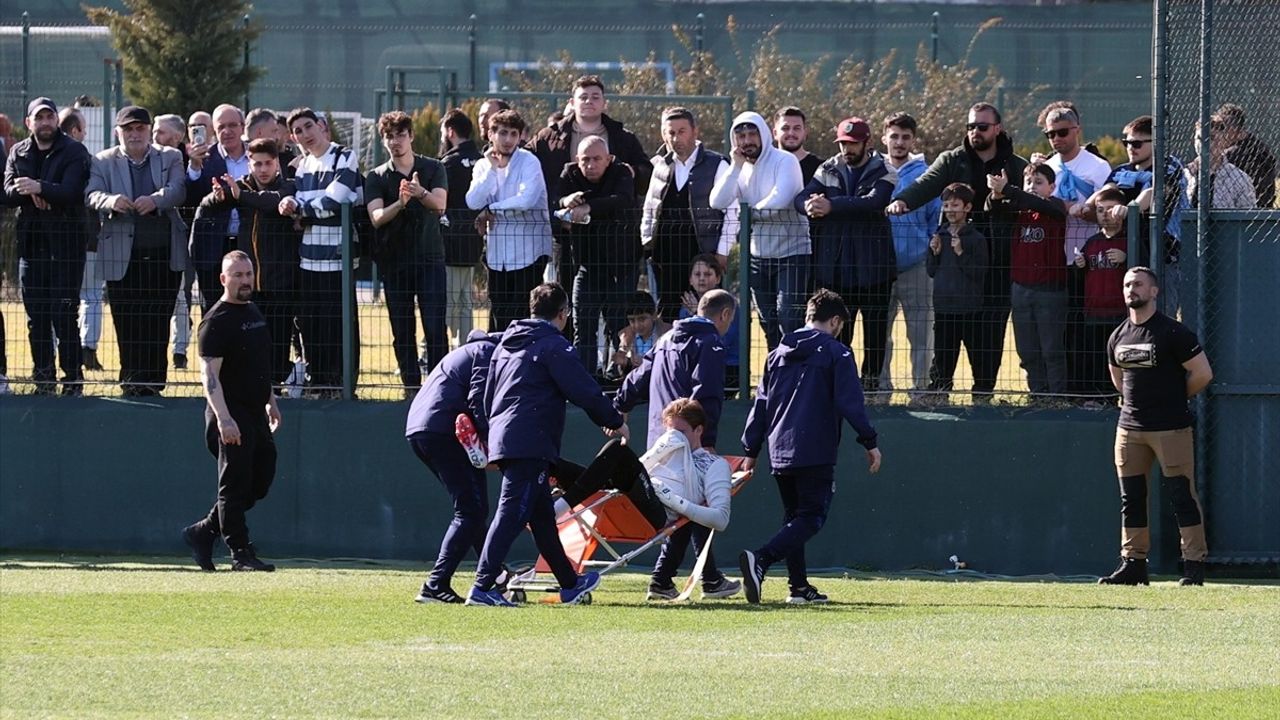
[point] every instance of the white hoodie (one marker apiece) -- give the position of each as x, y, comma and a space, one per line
693, 484
769, 185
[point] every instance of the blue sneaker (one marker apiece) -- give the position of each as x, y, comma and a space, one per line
491, 598
586, 583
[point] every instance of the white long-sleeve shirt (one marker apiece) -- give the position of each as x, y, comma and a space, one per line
700, 477
769, 186
517, 197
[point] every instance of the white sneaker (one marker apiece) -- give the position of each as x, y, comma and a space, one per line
297, 380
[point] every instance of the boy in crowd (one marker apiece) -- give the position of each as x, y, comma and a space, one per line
644, 327
1038, 273
958, 263
1102, 261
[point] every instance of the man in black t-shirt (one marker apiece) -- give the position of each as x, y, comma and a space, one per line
406, 196
235, 369
1157, 364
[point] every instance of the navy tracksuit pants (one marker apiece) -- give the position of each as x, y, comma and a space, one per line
806, 499
468, 489
525, 499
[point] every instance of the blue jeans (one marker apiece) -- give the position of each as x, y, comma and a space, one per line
525, 498
51, 296
1039, 324
404, 283
806, 500
469, 491
778, 287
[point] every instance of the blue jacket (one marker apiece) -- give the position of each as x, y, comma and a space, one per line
448, 390
853, 244
211, 223
911, 232
687, 362
810, 383
534, 370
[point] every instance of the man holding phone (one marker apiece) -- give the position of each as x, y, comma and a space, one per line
214, 234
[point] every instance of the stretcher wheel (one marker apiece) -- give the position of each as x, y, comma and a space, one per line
586, 599
518, 596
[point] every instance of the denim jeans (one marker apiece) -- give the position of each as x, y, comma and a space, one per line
778, 287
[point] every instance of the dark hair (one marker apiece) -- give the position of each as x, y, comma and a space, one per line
902, 120
589, 81
498, 103
547, 300
1111, 193
825, 305
258, 116
987, 107
1146, 271
959, 191
1141, 124
709, 260
394, 123
1231, 114
73, 120
641, 303
508, 119
1043, 168
713, 302
679, 113
459, 123
688, 410
302, 113
790, 111
264, 145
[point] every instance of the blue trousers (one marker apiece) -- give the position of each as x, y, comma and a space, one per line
778, 287
525, 499
671, 556
806, 500
469, 491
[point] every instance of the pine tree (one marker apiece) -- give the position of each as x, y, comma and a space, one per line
181, 56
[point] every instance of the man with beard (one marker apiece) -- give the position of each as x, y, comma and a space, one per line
986, 150
853, 242
241, 416
790, 132
1157, 365
44, 177
462, 244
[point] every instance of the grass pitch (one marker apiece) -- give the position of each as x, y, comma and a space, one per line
153, 638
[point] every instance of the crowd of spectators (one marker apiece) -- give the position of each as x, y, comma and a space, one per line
958, 244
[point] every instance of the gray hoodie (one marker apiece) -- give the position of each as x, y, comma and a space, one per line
768, 185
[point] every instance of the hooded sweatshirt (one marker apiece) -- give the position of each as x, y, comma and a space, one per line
687, 362
911, 232
768, 185
446, 391
810, 384
695, 480
534, 370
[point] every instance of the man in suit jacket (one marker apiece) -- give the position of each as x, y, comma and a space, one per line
214, 234
142, 249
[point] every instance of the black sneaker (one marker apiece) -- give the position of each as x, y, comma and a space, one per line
445, 595
1130, 571
722, 588
661, 593
807, 595
201, 544
1192, 572
89, 359
179, 361
247, 560
752, 576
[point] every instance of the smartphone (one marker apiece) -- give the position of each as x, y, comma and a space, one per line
199, 135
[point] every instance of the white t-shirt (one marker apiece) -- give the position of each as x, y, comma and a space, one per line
1087, 173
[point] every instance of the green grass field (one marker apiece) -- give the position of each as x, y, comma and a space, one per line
154, 638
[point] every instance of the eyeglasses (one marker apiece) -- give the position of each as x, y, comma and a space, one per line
1135, 144
1060, 132
980, 127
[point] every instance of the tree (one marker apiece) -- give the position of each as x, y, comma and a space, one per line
181, 56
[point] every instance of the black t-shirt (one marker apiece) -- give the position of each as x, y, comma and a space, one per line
414, 234
238, 334
808, 166
1155, 383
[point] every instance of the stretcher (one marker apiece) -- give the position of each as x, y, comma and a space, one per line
604, 520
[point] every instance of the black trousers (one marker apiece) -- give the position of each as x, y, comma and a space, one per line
51, 297
245, 472
279, 308
989, 346
422, 281
674, 248
616, 466
141, 305
873, 302
509, 293
319, 313
949, 331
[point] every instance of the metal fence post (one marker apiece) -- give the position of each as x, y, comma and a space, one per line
348, 310
471, 53
1159, 115
26, 59
1132, 231
119, 83
247, 104
744, 301
106, 103
933, 39
699, 32
1201, 403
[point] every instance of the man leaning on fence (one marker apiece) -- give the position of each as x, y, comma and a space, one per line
45, 177
214, 234
462, 244
768, 179
137, 188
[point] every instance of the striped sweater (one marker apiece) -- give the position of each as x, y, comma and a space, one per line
324, 183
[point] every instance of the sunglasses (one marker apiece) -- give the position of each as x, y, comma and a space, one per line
1135, 144
1060, 132
980, 127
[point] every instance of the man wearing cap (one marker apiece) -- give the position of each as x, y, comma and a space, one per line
142, 249
44, 177
768, 179
852, 239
